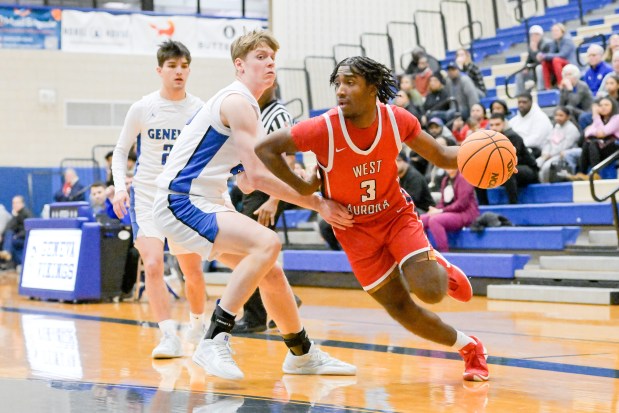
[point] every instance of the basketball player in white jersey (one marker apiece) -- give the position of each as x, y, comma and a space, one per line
192, 212
155, 122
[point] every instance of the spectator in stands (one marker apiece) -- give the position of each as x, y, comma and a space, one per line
602, 135
611, 87
576, 95
500, 106
414, 183
437, 129
466, 65
462, 88
456, 209
14, 235
615, 65
437, 102
5, 218
417, 53
72, 189
564, 136
611, 48
422, 77
534, 70
527, 166
477, 120
407, 100
598, 68
531, 123
98, 196
562, 51
109, 180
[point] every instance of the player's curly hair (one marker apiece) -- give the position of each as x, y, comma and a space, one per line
373, 72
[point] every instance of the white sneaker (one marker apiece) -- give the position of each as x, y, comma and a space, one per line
215, 356
316, 388
317, 361
169, 347
194, 335
228, 405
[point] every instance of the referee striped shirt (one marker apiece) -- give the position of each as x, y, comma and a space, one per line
275, 116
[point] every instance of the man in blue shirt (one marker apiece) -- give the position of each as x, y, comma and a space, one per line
598, 68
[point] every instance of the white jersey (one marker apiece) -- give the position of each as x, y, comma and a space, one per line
205, 156
155, 123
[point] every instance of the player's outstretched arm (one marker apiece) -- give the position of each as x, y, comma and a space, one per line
131, 129
240, 116
267, 151
442, 156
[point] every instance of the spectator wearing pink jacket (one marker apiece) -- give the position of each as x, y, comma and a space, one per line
602, 135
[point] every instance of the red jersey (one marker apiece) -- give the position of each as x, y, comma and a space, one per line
359, 167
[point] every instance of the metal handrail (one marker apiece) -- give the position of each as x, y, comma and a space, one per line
443, 26
612, 194
508, 78
481, 33
389, 45
307, 81
589, 40
469, 18
295, 118
335, 46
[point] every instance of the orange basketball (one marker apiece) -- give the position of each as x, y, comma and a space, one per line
487, 159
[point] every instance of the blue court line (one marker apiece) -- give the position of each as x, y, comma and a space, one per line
408, 351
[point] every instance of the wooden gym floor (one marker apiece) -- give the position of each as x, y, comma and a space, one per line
59, 357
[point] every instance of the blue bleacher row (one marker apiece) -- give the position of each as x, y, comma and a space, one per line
509, 36
547, 219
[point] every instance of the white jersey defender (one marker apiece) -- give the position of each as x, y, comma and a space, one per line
193, 186
155, 124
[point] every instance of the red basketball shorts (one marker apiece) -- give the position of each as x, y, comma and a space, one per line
375, 248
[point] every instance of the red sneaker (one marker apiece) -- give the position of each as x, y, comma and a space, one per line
475, 366
459, 286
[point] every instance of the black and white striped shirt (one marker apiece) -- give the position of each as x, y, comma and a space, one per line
275, 116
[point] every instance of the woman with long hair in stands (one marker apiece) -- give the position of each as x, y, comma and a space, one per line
602, 135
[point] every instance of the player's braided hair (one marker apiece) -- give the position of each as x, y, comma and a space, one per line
373, 72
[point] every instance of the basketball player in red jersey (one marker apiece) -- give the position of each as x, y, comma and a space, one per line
356, 145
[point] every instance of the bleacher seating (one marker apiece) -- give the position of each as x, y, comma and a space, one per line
473, 264
555, 213
515, 238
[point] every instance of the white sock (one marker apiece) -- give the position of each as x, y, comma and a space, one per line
168, 327
196, 320
462, 340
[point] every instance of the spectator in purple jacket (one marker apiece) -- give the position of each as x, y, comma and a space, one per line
456, 209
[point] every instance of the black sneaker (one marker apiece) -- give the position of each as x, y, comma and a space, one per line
247, 328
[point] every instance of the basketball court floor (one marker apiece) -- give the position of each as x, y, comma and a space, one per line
59, 357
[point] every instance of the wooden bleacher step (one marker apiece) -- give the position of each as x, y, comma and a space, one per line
576, 295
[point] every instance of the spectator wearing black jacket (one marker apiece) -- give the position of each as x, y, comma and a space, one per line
15, 234
527, 166
414, 183
437, 103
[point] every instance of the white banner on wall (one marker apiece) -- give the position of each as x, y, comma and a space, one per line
51, 258
148, 32
214, 36
100, 32
95, 32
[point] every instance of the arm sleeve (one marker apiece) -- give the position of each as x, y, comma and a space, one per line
128, 136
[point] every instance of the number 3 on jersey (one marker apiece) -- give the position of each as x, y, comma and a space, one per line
370, 189
166, 152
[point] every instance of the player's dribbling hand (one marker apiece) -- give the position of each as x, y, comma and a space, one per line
335, 214
120, 202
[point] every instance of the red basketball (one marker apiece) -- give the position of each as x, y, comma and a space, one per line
487, 159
